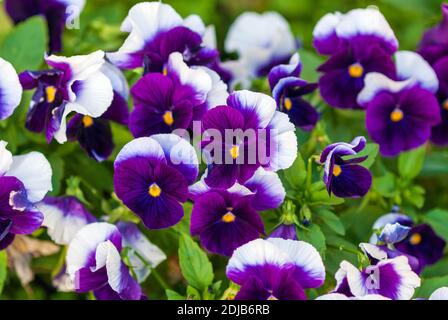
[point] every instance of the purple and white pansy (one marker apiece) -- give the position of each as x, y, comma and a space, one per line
390, 278
143, 255
155, 31
94, 264
10, 89
288, 90
346, 178
152, 175
64, 217
173, 100
244, 135
358, 42
400, 114
58, 14
24, 181
94, 134
74, 84
262, 41
275, 269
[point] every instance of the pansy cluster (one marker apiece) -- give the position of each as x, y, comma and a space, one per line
208, 156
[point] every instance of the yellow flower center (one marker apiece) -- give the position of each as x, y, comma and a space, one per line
235, 152
154, 190
168, 118
165, 70
356, 70
87, 121
337, 170
228, 217
396, 115
445, 105
287, 104
415, 239
50, 92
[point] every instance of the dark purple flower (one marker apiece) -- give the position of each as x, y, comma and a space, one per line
344, 72
64, 217
56, 12
170, 101
94, 134
10, 89
345, 178
275, 269
439, 133
288, 90
152, 175
390, 278
434, 44
400, 115
24, 181
94, 264
245, 135
74, 84
424, 244
224, 221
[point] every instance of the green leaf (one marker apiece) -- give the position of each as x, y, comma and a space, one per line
296, 174
332, 221
416, 196
430, 285
3, 269
173, 295
385, 185
410, 163
26, 45
437, 219
194, 263
313, 235
319, 195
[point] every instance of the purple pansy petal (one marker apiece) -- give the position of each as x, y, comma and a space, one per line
285, 85
393, 233
292, 69
140, 147
64, 217
285, 231
267, 188
10, 89
309, 269
353, 182
434, 44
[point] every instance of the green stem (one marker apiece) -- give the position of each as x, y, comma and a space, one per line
154, 272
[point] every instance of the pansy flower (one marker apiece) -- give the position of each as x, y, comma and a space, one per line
275, 269
434, 44
155, 31
94, 264
439, 133
262, 41
152, 175
358, 42
345, 178
170, 101
143, 255
64, 217
285, 231
24, 181
390, 278
227, 219
94, 134
400, 114
440, 294
340, 296
10, 89
288, 89
244, 135
56, 12
421, 242
74, 84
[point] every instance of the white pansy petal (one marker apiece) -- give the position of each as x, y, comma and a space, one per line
257, 108
117, 79
411, 65
194, 23
440, 294
34, 170
268, 189
283, 142
373, 251
140, 147
333, 296
310, 269
218, 94
5, 158
10, 89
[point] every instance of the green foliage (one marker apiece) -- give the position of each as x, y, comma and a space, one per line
437, 218
410, 163
194, 263
3, 269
